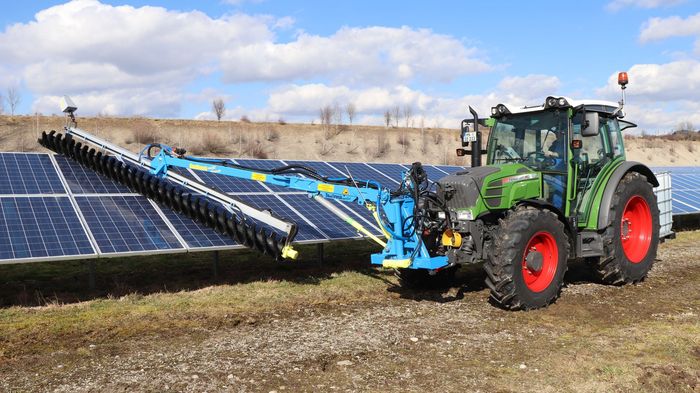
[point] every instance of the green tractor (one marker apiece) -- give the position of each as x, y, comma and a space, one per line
556, 187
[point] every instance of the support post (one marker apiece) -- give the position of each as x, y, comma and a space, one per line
319, 251
91, 275
215, 265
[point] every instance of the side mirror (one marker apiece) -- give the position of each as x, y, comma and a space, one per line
591, 124
465, 131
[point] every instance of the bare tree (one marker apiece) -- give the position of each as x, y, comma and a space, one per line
326, 115
350, 110
685, 126
2, 104
387, 117
13, 99
407, 114
395, 113
219, 108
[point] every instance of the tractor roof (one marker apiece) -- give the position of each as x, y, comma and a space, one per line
596, 105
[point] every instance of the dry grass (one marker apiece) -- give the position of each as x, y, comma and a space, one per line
272, 135
213, 143
382, 147
326, 149
255, 149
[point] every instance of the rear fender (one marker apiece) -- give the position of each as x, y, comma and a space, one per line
613, 181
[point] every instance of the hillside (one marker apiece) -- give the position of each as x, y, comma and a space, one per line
303, 141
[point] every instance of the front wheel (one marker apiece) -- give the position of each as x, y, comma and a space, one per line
526, 267
632, 237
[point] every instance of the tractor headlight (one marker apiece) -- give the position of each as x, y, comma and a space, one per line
562, 101
494, 111
551, 101
465, 215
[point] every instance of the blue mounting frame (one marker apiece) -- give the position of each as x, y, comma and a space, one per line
404, 247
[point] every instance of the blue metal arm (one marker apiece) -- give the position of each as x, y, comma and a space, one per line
404, 247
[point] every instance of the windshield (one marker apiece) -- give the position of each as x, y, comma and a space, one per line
536, 139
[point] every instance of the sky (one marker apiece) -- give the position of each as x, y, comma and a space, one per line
272, 60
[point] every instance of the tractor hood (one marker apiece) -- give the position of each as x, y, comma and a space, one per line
487, 188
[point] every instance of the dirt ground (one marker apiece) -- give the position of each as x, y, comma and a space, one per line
347, 328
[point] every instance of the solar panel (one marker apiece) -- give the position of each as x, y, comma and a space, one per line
326, 221
41, 227
197, 235
434, 174
450, 169
230, 184
85, 181
126, 224
369, 222
360, 171
273, 203
22, 173
394, 171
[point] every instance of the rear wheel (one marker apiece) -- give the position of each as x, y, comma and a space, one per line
632, 236
527, 264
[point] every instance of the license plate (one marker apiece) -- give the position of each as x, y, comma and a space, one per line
470, 136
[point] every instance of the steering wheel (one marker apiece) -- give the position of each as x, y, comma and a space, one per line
545, 161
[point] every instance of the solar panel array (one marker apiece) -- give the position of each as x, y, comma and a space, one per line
53, 208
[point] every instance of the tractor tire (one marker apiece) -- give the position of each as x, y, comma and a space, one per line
421, 279
632, 237
526, 266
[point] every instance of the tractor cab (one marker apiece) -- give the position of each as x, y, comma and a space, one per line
568, 142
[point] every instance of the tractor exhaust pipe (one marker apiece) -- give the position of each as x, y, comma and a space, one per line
476, 145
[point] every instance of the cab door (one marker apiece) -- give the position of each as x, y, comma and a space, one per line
593, 160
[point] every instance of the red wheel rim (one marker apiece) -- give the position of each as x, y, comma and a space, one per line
635, 229
543, 243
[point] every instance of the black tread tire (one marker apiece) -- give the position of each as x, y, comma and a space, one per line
614, 268
504, 266
422, 280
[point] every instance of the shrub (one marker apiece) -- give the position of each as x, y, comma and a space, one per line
245, 119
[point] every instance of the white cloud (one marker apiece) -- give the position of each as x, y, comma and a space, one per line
118, 56
127, 102
369, 56
656, 29
617, 5
300, 100
660, 95
674, 81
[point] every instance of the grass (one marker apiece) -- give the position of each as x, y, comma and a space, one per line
166, 295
